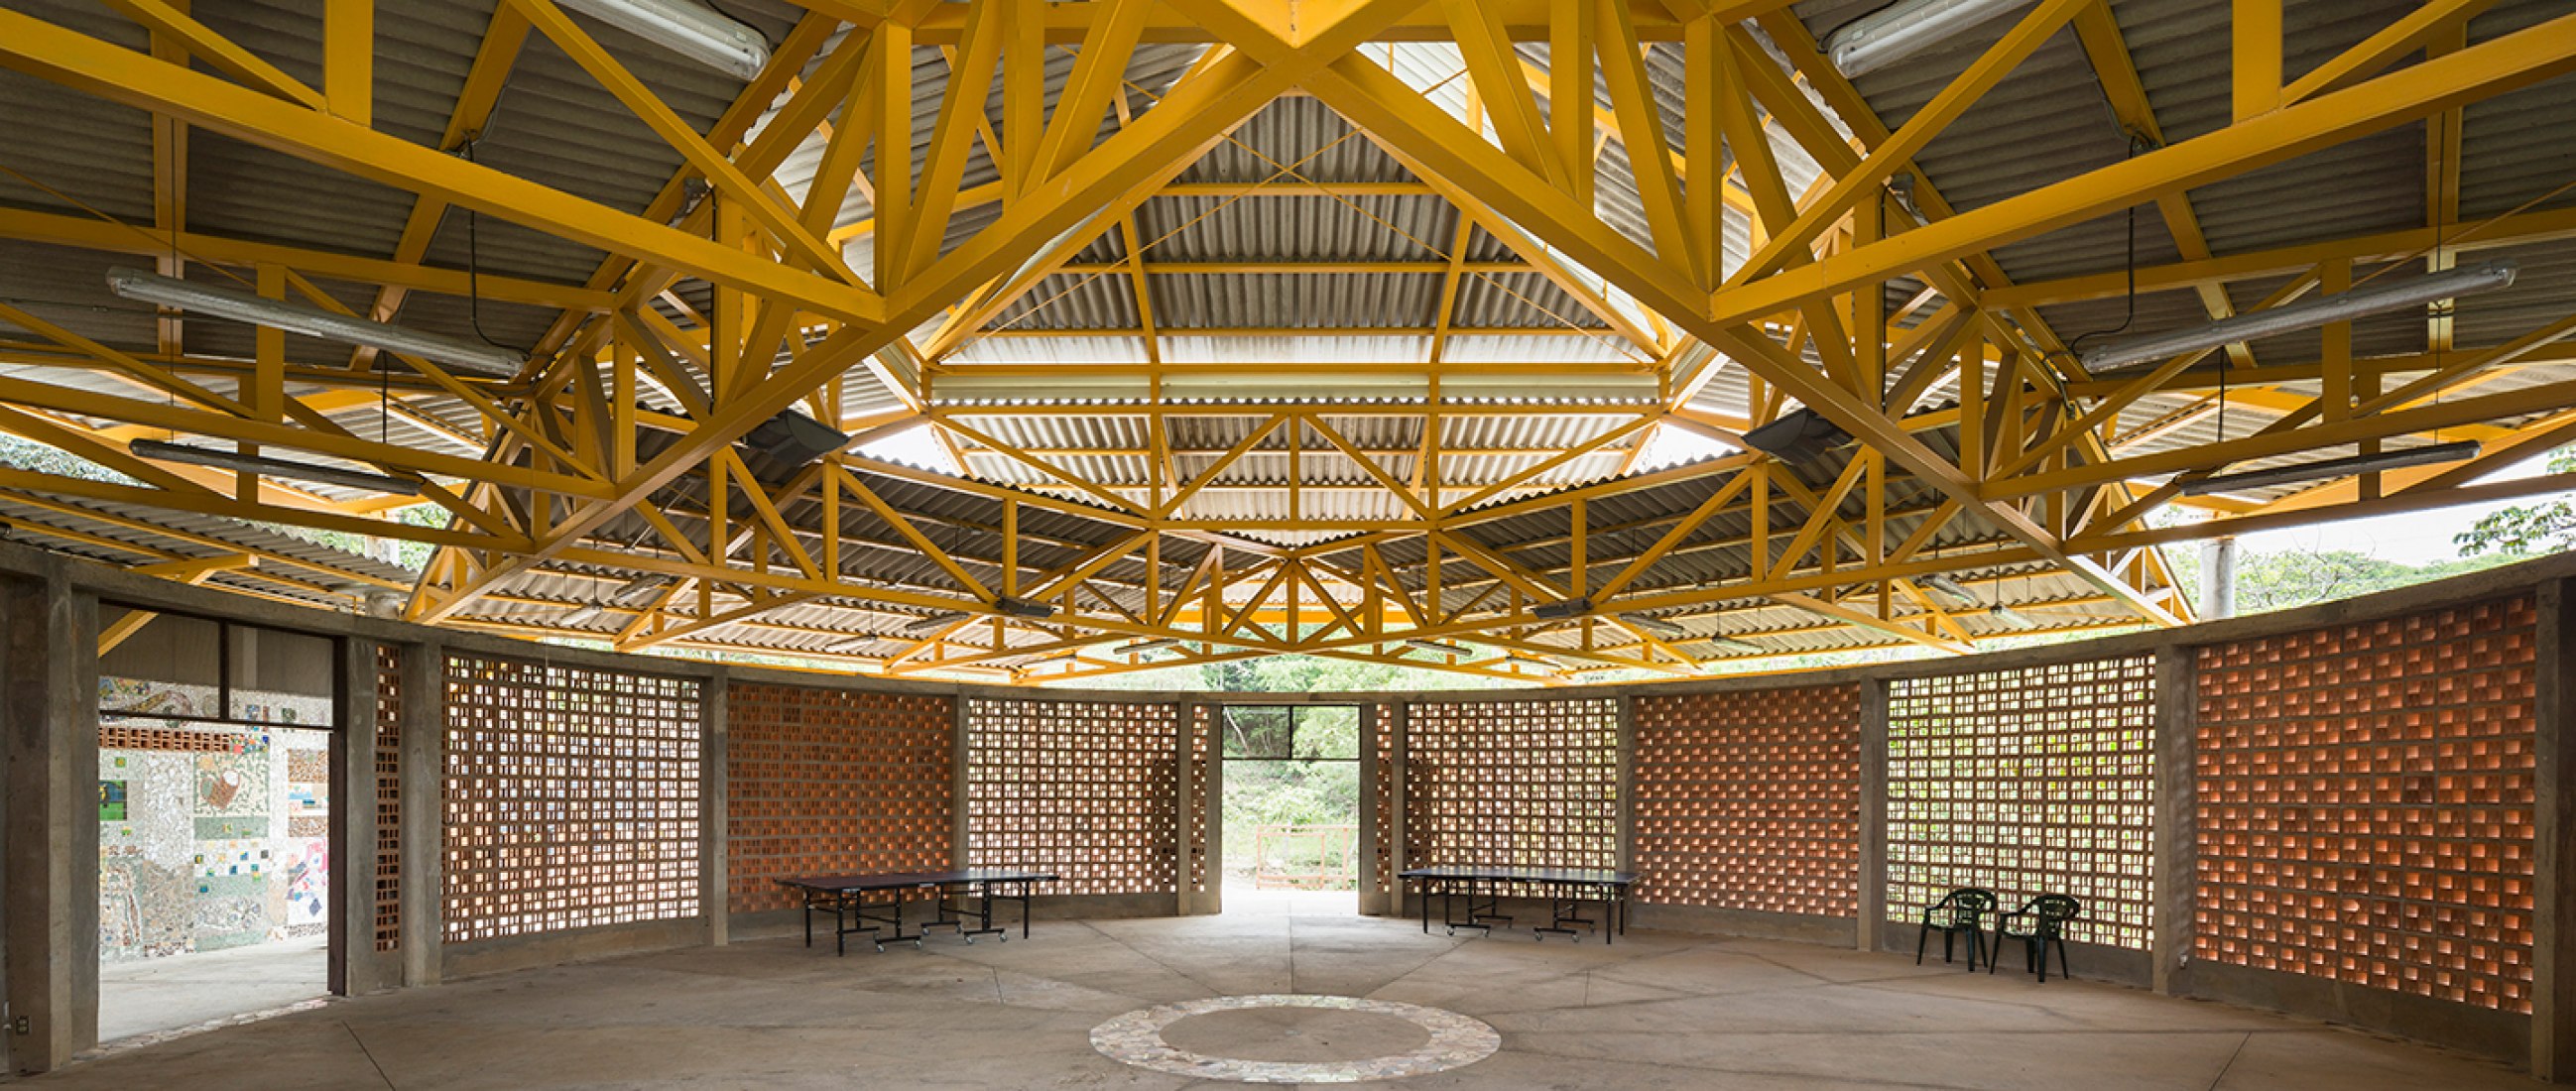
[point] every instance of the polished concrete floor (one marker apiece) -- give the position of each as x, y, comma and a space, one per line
1653, 1011
170, 993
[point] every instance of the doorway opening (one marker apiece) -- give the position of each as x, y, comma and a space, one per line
214, 801
1291, 809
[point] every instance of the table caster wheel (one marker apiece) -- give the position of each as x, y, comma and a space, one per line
880, 948
916, 945
970, 941
1001, 939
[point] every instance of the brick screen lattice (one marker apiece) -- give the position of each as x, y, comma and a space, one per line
389, 704
832, 782
1379, 782
1750, 800
2027, 781
1086, 790
572, 798
116, 737
2365, 799
1513, 783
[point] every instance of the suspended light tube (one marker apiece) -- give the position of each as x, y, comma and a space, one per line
1562, 609
1655, 626
933, 623
272, 467
2433, 454
2304, 315
2008, 616
1020, 607
1154, 645
1950, 587
851, 646
240, 306
1434, 647
689, 29
1902, 30
1730, 644
582, 615
637, 588
1549, 665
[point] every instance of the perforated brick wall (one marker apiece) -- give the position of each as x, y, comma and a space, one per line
1513, 783
571, 798
2027, 781
1086, 790
1750, 800
388, 870
2365, 798
117, 737
832, 782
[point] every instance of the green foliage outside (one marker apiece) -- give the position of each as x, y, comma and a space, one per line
2527, 530
2284, 579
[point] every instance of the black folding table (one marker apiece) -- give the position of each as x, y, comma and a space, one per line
874, 903
1566, 890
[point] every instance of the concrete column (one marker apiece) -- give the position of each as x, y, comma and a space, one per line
1184, 781
2217, 579
2553, 931
957, 829
1873, 815
1395, 823
49, 901
715, 880
1213, 791
356, 969
423, 797
1372, 901
2176, 847
1627, 757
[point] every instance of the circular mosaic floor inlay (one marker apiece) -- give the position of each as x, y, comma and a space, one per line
1295, 1039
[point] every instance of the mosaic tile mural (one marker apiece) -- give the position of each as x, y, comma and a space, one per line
221, 835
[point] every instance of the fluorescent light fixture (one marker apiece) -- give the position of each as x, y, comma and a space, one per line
2006, 615
2433, 454
851, 646
1950, 587
272, 467
1902, 30
638, 588
1533, 663
932, 624
1655, 625
689, 29
1562, 609
1020, 607
240, 306
582, 615
1434, 647
1730, 644
2306, 314
1154, 645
